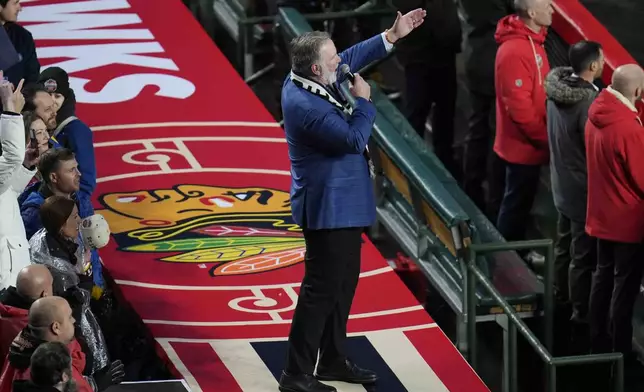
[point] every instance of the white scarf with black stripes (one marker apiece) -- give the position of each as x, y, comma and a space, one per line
317, 89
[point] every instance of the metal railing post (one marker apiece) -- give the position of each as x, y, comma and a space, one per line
618, 375
551, 377
513, 379
549, 298
241, 50
470, 308
505, 325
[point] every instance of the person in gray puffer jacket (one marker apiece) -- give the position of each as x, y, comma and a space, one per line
570, 91
58, 247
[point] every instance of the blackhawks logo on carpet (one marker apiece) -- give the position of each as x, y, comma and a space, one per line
233, 231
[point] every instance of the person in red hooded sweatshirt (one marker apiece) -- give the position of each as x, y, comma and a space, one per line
521, 139
50, 320
615, 212
33, 282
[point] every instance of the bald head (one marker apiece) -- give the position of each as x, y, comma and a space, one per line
629, 80
45, 311
536, 13
52, 318
34, 281
523, 5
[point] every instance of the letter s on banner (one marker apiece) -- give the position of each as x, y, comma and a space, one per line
125, 88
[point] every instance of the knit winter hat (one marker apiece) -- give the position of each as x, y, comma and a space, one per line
55, 80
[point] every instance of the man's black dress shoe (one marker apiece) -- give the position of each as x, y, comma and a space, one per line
346, 371
302, 383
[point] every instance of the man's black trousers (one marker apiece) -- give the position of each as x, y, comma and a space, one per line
480, 163
332, 269
575, 262
616, 283
521, 186
428, 86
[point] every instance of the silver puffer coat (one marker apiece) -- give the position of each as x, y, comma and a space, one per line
66, 276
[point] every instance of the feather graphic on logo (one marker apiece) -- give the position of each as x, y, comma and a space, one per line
236, 250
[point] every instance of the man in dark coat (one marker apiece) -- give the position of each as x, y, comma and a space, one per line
429, 57
570, 92
28, 68
482, 18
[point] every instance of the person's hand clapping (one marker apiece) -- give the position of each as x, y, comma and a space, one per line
360, 88
12, 100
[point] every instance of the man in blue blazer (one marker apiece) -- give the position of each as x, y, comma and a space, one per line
331, 197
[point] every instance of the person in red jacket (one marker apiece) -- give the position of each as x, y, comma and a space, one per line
33, 282
51, 370
615, 212
50, 320
521, 139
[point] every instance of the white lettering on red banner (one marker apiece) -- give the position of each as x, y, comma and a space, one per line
91, 20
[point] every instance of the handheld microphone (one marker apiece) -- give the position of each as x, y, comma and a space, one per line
346, 71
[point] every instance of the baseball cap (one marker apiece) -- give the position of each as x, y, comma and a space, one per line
95, 231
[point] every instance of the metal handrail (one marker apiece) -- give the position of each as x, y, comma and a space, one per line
474, 275
254, 20
245, 24
254, 78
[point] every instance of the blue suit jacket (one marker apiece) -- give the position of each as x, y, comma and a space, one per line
330, 186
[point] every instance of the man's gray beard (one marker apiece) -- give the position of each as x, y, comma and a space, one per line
329, 77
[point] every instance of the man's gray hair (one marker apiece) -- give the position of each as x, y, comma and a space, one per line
305, 51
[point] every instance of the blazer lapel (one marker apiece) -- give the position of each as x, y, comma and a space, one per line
328, 94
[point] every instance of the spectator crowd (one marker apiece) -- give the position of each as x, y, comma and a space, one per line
527, 116
592, 139
53, 299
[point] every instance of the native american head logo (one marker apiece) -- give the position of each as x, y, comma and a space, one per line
234, 231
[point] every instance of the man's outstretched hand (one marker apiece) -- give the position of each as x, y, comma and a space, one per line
405, 24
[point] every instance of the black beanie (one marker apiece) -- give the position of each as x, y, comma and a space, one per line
55, 80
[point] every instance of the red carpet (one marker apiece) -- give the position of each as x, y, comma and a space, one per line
194, 180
